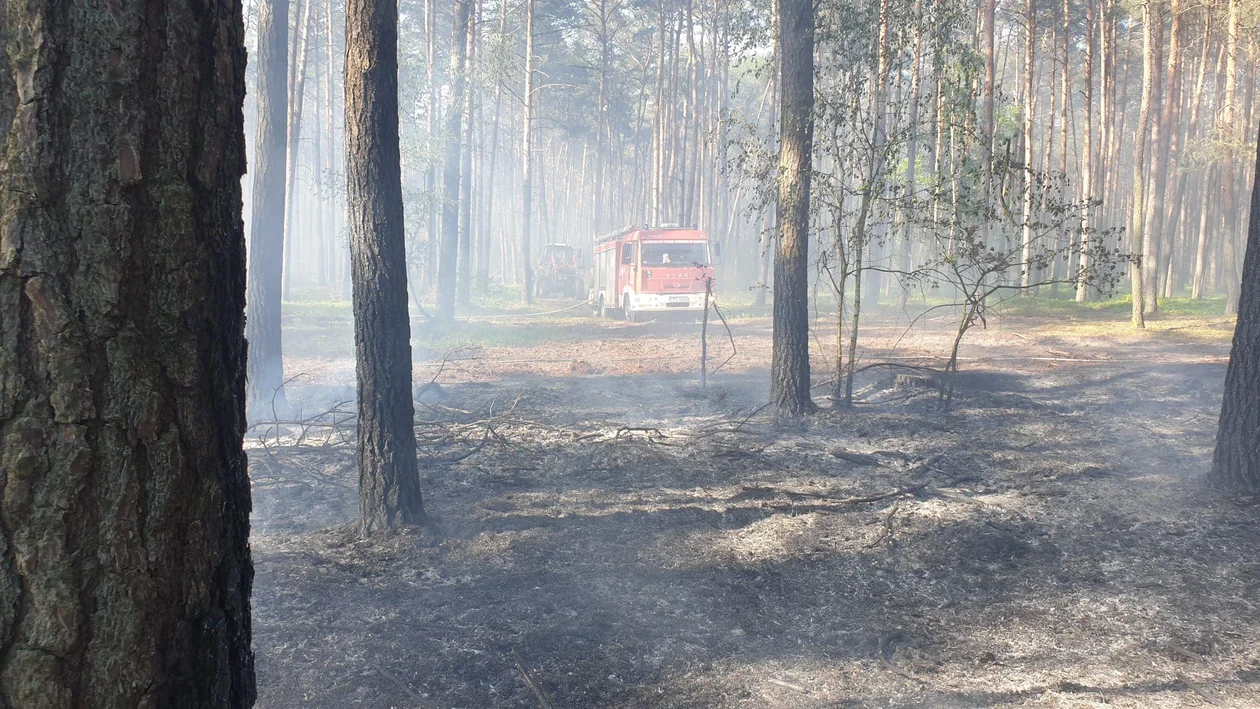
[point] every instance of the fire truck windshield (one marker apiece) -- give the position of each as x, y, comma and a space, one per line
675, 254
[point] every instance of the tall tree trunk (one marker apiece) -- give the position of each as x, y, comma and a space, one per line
1030, 56
527, 154
321, 234
789, 366
297, 94
463, 289
1065, 105
912, 148
389, 483
432, 208
656, 208
1117, 117
448, 248
599, 221
988, 19
1161, 201
1236, 463
1154, 202
125, 569
766, 235
1229, 134
1150, 18
266, 233
1087, 159
483, 276
1199, 279
334, 202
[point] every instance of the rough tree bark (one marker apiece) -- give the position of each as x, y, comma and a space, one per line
266, 234
389, 484
125, 571
1236, 463
789, 366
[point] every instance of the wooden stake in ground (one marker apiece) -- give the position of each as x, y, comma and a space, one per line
704, 334
389, 485
1236, 464
789, 366
125, 578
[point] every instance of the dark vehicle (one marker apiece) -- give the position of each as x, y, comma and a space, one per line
559, 272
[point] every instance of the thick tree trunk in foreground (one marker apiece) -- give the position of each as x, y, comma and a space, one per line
266, 234
789, 367
125, 572
389, 484
1236, 464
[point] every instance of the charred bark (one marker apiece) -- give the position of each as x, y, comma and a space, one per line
789, 368
389, 484
1236, 463
125, 571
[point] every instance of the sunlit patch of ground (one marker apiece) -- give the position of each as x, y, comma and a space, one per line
615, 536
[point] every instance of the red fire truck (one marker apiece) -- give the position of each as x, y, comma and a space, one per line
652, 270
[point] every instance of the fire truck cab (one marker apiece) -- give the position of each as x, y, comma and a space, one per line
652, 270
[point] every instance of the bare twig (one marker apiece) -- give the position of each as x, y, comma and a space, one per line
886, 653
539, 691
788, 685
399, 683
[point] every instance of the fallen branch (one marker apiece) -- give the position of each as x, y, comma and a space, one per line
855, 457
909, 489
544, 699
788, 685
400, 684
462, 456
1199, 690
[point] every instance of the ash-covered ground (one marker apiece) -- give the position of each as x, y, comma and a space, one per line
608, 534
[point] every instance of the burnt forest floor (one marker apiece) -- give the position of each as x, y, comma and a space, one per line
607, 533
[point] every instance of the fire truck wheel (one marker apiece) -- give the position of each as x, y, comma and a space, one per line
626, 310
604, 310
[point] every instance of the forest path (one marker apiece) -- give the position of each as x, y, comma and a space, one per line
633, 540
